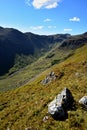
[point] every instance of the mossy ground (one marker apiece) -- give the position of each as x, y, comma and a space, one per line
26, 107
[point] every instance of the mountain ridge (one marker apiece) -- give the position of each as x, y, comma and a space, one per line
74, 42
14, 42
19, 49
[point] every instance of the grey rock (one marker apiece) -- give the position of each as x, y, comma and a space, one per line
45, 119
46, 81
26, 128
55, 109
50, 77
62, 102
8, 128
67, 98
77, 74
51, 74
83, 101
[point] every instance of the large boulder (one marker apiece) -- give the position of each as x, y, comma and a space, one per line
55, 109
62, 102
83, 101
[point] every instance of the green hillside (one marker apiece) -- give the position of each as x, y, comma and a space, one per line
25, 107
23, 76
18, 49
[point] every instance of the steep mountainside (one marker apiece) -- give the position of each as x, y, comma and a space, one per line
44, 41
23, 48
27, 107
24, 97
19, 78
74, 42
12, 42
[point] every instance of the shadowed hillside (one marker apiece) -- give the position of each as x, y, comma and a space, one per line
19, 49
12, 42
74, 42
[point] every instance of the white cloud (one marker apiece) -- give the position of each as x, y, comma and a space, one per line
67, 29
53, 5
74, 19
36, 27
48, 4
47, 20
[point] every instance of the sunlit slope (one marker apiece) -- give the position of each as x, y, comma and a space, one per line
23, 76
61, 47
26, 107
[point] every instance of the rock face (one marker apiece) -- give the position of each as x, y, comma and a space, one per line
61, 104
83, 101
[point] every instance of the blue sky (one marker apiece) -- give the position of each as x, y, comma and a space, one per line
45, 16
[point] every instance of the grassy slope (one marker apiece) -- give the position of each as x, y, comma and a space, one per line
26, 107
23, 76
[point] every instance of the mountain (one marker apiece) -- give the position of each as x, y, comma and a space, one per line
23, 98
44, 41
54, 54
12, 42
74, 42
19, 49
27, 107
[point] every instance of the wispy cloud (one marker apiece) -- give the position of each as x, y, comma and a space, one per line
74, 19
50, 27
28, 2
55, 26
36, 27
67, 29
48, 4
47, 20
53, 5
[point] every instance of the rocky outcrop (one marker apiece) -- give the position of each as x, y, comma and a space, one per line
61, 104
83, 101
50, 77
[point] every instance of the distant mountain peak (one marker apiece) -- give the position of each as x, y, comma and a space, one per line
1, 27
85, 33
